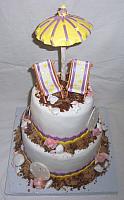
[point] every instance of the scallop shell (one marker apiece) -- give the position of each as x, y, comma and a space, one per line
59, 148
98, 168
18, 159
39, 170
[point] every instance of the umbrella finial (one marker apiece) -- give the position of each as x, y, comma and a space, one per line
63, 6
62, 11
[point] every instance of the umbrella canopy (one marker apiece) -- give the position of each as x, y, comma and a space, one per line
63, 29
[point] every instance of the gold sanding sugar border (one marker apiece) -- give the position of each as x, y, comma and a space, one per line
73, 173
62, 142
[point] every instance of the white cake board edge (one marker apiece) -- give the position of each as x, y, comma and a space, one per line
106, 184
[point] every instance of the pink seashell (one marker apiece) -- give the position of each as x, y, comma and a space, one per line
39, 183
96, 132
101, 157
51, 143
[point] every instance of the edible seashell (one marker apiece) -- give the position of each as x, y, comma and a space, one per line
99, 127
48, 184
18, 169
55, 111
39, 170
76, 107
52, 99
39, 183
74, 102
106, 164
18, 159
77, 151
59, 148
24, 124
98, 168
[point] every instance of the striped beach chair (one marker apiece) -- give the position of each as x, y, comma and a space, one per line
78, 77
46, 78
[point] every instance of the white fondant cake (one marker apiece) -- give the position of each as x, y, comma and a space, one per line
60, 124
62, 141
61, 162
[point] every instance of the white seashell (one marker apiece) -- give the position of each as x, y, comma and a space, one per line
18, 169
106, 164
18, 159
39, 170
55, 111
59, 148
48, 184
74, 102
98, 168
76, 108
52, 99
77, 151
24, 124
99, 127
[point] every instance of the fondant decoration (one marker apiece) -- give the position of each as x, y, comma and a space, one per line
99, 126
59, 148
77, 151
48, 184
51, 143
101, 157
93, 119
18, 159
98, 168
52, 99
78, 76
96, 132
63, 30
55, 111
39, 183
23, 125
39, 170
76, 107
18, 169
46, 77
74, 102
106, 164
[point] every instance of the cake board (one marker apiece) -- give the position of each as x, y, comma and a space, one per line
106, 184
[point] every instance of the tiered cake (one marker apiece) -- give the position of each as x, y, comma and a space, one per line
61, 140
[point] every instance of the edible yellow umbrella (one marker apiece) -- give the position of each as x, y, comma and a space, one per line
63, 30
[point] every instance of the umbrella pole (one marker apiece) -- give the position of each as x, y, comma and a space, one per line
63, 63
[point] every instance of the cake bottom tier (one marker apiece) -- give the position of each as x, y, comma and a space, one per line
61, 162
